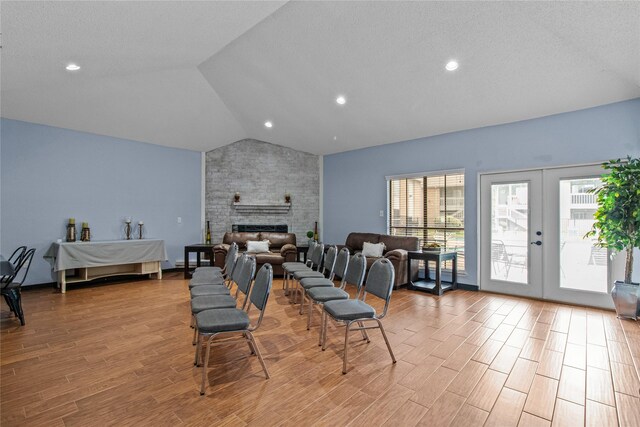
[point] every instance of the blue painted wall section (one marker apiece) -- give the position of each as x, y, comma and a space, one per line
50, 174
355, 186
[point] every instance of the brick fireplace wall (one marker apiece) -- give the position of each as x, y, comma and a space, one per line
262, 173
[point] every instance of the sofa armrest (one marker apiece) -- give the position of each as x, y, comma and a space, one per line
220, 254
397, 255
398, 258
289, 252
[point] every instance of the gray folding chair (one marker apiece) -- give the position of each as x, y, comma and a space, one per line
211, 323
316, 264
328, 265
380, 284
221, 289
354, 276
243, 278
216, 271
219, 277
290, 267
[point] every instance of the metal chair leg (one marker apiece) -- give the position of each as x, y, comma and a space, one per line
196, 360
302, 295
346, 348
324, 334
195, 335
255, 346
386, 340
251, 347
321, 328
205, 365
365, 336
309, 316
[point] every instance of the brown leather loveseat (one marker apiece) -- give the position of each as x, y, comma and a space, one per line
282, 248
396, 248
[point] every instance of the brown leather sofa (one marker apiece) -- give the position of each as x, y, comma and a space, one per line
282, 248
396, 248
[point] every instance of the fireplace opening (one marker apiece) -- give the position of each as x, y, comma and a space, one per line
254, 228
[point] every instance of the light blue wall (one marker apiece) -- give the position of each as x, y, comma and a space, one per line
50, 174
355, 186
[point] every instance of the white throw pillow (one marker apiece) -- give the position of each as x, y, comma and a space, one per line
257, 246
372, 249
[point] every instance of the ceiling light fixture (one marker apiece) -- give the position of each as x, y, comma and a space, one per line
72, 67
451, 66
268, 124
341, 100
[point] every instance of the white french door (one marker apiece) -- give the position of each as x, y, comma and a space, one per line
532, 227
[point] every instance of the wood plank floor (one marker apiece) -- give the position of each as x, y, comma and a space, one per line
121, 354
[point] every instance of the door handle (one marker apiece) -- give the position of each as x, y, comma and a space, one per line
537, 242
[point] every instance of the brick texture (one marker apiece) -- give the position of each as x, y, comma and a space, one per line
262, 173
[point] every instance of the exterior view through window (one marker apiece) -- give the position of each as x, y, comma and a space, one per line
431, 208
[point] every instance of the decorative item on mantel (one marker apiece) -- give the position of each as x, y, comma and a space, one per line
140, 229
128, 230
208, 235
85, 234
310, 236
287, 198
71, 230
236, 197
315, 232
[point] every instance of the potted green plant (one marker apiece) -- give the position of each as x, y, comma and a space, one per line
617, 226
310, 236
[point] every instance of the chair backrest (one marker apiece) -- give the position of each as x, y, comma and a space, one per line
330, 261
380, 282
230, 261
355, 271
316, 256
21, 269
261, 290
312, 247
341, 264
14, 260
246, 271
17, 255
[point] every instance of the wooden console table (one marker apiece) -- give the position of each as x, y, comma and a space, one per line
436, 287
84, 261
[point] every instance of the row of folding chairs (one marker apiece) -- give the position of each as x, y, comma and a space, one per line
216, 312
314, 282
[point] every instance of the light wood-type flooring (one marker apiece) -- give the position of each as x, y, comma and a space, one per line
121, 354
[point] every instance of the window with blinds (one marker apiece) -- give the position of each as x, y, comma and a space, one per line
431, 208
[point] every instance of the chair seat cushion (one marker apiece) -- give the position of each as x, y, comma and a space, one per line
206, 281
324, 294
313, 282
199, 291
298, 275
294, 266
209, 302
221, 320
349, 309
206, 276
207, 269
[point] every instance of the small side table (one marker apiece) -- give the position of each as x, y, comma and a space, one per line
436, 287
198, 248
302, 249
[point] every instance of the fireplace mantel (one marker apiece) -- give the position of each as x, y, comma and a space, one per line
262, 208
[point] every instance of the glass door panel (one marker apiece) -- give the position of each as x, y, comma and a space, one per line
510, 232
583, 265
510, 218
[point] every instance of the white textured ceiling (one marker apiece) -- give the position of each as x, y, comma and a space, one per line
200, 75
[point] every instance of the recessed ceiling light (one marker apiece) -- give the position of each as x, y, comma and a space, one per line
451, 66
341, 100
72, 67
268, 124
335, 138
